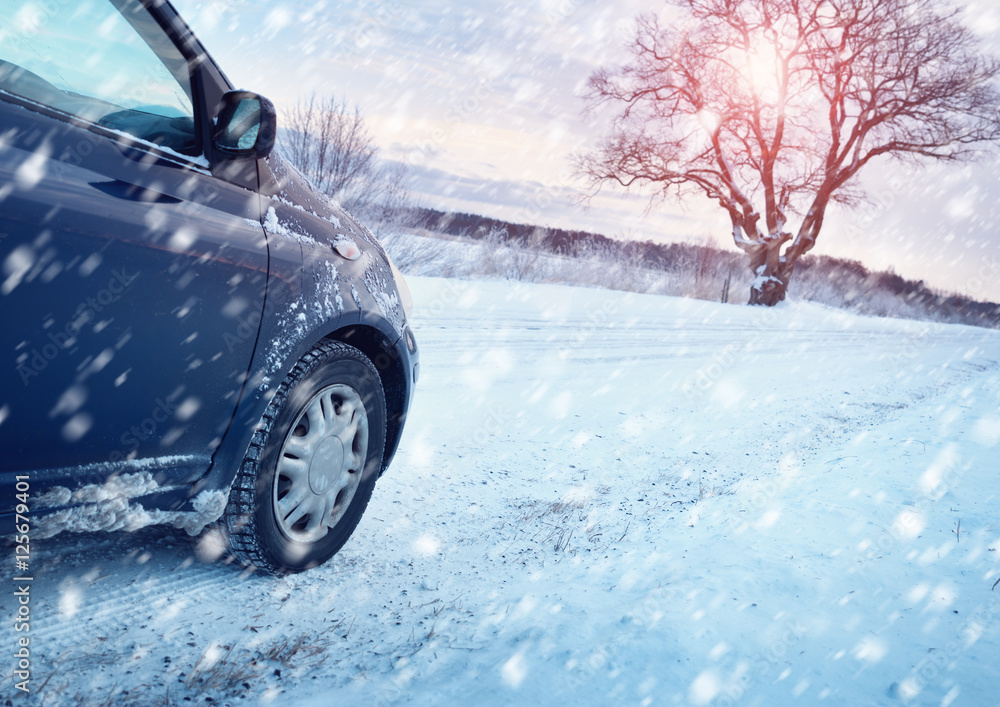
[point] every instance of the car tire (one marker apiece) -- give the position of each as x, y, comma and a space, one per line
311, 465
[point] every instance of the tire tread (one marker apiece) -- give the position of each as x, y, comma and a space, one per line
238, 521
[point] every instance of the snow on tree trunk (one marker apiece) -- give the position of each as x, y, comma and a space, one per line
767, 289
771, 275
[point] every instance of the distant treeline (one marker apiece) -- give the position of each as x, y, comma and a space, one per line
834, 281
552, 240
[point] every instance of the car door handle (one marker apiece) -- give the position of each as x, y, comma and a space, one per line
134, 192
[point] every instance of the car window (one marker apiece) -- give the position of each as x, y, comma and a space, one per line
104, 61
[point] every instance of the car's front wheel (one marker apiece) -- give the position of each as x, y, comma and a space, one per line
312, 464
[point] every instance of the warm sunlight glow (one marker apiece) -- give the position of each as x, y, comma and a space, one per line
709, 120
760, 68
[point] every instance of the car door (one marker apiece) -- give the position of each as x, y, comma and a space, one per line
131, 279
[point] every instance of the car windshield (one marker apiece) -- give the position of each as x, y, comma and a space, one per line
103, 61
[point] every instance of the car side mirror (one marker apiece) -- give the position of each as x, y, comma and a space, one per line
246, 126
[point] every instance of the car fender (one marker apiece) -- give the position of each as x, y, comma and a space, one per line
313, 293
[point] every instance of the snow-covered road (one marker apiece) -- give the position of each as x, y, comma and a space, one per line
601, 498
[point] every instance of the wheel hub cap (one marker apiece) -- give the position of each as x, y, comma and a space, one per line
321, 463
327, 465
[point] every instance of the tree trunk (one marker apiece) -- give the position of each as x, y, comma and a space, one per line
771, 276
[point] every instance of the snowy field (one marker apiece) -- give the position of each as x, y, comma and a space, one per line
600, 499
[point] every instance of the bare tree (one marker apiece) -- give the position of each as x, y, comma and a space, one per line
781, 103
328, 141
387, 199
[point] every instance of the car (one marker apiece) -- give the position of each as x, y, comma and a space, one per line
192, 334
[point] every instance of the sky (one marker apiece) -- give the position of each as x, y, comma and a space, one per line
484, 101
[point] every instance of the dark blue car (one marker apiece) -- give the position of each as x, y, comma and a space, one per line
190, 333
